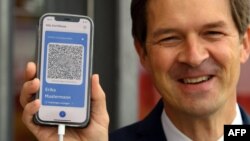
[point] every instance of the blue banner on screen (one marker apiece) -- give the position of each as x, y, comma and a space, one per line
64, 69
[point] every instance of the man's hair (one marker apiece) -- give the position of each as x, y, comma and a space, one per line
240, 10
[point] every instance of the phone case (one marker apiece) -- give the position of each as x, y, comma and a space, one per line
36, 118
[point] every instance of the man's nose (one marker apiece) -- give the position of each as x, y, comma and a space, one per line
193, 51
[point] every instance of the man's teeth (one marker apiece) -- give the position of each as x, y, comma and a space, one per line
195, 80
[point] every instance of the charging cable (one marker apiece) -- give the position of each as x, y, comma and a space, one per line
61, 131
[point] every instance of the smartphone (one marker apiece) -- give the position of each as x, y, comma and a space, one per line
64, 62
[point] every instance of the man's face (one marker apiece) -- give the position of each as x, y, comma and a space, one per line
193, 54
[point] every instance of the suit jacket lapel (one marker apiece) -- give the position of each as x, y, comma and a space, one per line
245, 117
151, 127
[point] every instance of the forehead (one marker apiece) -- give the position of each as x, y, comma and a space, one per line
187, 12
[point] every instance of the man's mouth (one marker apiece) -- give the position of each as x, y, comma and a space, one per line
196, 80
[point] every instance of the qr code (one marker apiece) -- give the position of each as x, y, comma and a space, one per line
64, 63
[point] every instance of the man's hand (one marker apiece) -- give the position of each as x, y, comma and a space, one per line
97, 130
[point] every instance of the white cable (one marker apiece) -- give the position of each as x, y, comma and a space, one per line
61, 131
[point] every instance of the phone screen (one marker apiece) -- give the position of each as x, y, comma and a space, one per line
65, 68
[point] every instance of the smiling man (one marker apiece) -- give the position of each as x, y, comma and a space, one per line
193, 50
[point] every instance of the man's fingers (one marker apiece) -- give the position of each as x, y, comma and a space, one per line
28, 113
28, 90
98, 95
30, 71
98, 101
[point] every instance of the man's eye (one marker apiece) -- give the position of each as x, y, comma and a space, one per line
169, 41
214, 34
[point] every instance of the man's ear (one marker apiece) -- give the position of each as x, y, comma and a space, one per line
246, 46
141, 51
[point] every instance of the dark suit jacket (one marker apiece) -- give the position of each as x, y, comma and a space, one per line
150, 128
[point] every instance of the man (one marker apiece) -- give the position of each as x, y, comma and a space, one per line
193, 50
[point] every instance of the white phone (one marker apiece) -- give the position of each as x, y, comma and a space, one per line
65, 45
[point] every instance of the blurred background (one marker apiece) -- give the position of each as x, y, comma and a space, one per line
130, 94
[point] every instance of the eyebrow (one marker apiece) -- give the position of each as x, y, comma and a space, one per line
217, 24
161, 31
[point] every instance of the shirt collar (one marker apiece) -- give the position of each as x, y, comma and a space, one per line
174, 134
